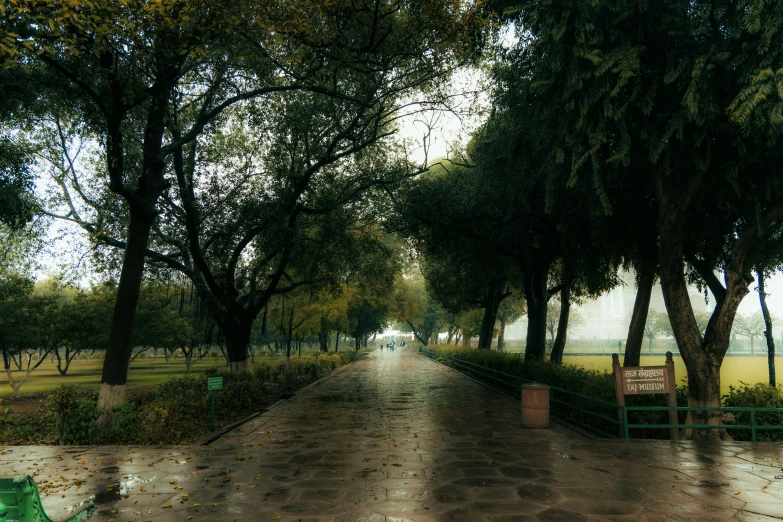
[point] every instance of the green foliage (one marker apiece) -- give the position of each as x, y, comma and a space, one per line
16, 199
470, 322
6, 423
657, 325
73, 414
178, 411
129, 424
750, 325
759, 395
416, 310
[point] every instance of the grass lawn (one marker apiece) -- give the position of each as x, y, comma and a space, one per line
747, 369
153, 371
143, 372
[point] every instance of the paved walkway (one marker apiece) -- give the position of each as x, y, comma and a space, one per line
396, 437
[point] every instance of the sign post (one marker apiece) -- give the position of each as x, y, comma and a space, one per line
213, 383
640, 380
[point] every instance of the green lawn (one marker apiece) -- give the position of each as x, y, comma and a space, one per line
149, 372
746, 369
143, 372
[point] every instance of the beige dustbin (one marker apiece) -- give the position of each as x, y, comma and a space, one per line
535, 406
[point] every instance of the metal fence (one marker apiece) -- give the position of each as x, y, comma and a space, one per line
605, 418
591, 414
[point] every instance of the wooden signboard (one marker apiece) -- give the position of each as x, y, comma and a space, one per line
637, 380
645, 379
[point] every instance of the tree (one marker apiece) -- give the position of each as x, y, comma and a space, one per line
558, 322
314, 69
416, 310
470, 324
608, 66
88, 319
127, 70
750, 326
657, 325
767, 328
29, 326
16, 199
288, 314
545, 230
159, 321
552, 319
511, 309
448, 214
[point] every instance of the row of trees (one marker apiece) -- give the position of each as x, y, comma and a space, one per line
644, 135
55, 321
745, 325
243, 145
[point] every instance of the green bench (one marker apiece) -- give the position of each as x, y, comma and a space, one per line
20, 501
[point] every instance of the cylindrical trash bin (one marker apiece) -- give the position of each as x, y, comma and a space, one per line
535, 406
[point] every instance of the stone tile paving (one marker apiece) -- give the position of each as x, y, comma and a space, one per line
396, 437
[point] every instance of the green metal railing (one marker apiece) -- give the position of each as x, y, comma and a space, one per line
575, 408
753, 426
580, 409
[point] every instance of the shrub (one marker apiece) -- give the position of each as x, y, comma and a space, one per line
177, 411
129, 426
6, 423
73, 412
760, 395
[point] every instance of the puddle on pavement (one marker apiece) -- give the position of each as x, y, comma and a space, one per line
118, 489
110, 494
112, 470
710, 484
229, 497
202, 467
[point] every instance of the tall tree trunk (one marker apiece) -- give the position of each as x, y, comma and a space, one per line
752, 351
465, 340
703, 356
236, 332
641, 307
492, 299
703, 369
536, 297
501, 334
767, 330
337, 342
323, 336
120, 344
142, 201
357, 343
562, 325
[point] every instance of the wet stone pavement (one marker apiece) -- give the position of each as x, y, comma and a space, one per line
396, 437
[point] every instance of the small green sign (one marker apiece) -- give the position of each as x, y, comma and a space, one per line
214, 383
